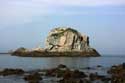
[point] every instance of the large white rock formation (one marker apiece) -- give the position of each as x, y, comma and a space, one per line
67, 39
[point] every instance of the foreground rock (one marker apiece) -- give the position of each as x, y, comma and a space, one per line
7, 72
33, 78
74, 76
62, 42
63, 74
118, 73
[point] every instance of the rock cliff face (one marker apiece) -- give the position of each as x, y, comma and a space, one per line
67, 39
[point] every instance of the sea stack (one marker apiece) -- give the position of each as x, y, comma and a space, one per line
62, 41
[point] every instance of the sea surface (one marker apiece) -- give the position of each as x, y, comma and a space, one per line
34, 63
29, 63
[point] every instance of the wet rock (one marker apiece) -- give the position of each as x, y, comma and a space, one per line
51, 72
58, 71
123, 65
88, 68
92, 76
61, 66
71, 80
33, 78
78, 74
118, 74
55, 72
95, 78
7, 72
67, 74
99, 66
75, 76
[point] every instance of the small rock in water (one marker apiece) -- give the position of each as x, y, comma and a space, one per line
61, 66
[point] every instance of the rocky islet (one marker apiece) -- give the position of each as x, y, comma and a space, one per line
61, 41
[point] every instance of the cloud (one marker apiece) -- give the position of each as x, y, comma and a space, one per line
81, 2
17, 11
23, 7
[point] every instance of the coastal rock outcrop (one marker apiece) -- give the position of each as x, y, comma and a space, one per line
67, 39
61, 41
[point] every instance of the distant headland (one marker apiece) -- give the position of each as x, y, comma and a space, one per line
61, 41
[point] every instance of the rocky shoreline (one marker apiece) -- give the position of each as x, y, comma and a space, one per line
63, 74
93, 53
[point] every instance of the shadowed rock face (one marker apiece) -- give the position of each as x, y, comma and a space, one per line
67, 39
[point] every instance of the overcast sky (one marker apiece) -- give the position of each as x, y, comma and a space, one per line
27, 22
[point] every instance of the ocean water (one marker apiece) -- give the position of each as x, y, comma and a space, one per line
29, 63
32, 63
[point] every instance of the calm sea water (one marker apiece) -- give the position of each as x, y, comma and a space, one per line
27, 63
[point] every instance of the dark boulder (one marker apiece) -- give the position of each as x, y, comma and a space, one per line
33, 78
7, 72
